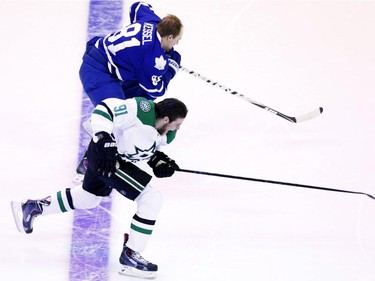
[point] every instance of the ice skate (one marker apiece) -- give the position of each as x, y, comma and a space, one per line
81, 169
83, 164
24, 213
135, 265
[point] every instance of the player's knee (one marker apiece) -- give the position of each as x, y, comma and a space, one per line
157, 201
83, 199
150, 203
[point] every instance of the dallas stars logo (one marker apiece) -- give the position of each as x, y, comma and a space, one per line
145, 106
141, 154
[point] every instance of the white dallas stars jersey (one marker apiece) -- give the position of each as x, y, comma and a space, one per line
132, 122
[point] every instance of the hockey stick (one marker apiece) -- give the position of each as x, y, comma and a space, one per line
274, 182
296, 119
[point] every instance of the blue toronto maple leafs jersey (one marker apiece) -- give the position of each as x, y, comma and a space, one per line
135, 52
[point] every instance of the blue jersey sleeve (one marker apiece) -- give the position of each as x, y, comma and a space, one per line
141, 11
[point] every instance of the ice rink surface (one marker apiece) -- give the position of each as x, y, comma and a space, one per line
293, 56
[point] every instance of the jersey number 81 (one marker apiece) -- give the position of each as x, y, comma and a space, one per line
124, 38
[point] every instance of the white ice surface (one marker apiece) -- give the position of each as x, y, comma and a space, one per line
293, 56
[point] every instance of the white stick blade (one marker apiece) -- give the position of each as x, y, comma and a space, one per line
309, 115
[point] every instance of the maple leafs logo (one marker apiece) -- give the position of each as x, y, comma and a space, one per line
160, 63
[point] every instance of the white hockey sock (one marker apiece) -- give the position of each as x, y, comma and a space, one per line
140, 232
61, 202
149, 205
70, 199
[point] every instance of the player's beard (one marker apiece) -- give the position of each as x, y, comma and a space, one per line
163, 129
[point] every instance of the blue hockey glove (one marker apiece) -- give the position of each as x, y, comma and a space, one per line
101, 155
162, 165
174, 61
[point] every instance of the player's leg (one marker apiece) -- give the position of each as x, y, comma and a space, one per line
133, 183
149, 203
25, 212
96, 79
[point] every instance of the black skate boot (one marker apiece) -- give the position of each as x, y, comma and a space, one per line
25, 212
134, 264
81, 169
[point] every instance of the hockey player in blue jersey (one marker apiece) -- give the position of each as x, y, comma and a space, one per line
136, 61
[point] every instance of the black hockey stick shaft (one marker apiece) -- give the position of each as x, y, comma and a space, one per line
301, 118
274, 182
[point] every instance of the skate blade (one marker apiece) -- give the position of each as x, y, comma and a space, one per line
87, 126
17, 215
132, 271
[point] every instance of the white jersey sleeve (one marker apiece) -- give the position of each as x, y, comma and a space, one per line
112, 114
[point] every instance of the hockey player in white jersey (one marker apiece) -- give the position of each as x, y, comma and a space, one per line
125, 131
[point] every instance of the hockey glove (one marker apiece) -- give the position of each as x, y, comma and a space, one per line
174, 61
162, 165
101, 155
